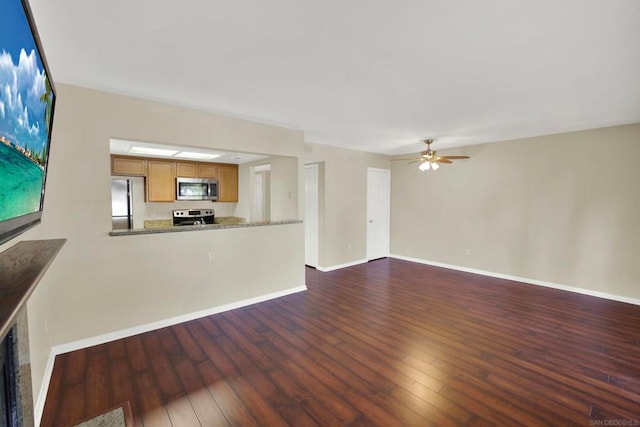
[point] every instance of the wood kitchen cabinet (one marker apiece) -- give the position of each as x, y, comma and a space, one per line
161, 181
196, 170
207, 170
186, 170
161, 176
128, 166
227, 183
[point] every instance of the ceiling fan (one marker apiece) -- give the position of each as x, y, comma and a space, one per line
429, 160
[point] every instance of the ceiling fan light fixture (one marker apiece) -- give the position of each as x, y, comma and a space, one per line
429, 160
424, 166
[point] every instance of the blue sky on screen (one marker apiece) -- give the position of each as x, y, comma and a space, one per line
21, 80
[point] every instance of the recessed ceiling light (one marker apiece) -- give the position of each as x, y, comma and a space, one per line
201, 156
153, 151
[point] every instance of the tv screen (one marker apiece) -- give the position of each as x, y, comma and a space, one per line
27, 99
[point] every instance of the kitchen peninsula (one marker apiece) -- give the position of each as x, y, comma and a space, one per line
199, 227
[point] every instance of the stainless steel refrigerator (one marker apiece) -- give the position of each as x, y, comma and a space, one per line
121, 204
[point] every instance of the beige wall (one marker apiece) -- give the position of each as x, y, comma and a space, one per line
343, 215
561, 208
283, 195
100, 284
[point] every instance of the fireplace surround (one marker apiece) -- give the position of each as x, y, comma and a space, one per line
16, 397
21, 268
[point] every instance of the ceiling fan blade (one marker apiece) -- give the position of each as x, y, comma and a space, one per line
412, 158
415, 161
443, 160
455, 157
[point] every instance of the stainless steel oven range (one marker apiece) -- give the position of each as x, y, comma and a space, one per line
193, 216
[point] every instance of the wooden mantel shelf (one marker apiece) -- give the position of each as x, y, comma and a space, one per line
21, 268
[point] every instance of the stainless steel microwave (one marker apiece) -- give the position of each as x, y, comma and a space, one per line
196, 189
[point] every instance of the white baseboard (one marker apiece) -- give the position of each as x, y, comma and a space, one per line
124, 333
523, 280
339, 266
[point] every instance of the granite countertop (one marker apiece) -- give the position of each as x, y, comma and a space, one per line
229, 220
167, 223
182, 228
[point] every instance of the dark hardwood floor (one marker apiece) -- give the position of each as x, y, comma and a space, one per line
385, 343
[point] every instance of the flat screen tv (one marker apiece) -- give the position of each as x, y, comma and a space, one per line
27, 100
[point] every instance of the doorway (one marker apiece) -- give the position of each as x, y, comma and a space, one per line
378, 212
261, 203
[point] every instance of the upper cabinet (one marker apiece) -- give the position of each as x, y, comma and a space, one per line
227, 183
161, 176
129, 166
186, 170
161, 181
196, 170
208, 170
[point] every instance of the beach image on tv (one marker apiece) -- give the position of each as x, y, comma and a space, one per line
26, 101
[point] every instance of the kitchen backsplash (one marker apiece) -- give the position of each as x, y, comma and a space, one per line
165, 210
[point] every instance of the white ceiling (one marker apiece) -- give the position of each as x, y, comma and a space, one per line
374, 75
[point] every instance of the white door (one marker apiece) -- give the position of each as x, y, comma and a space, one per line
311, 215
378, 212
